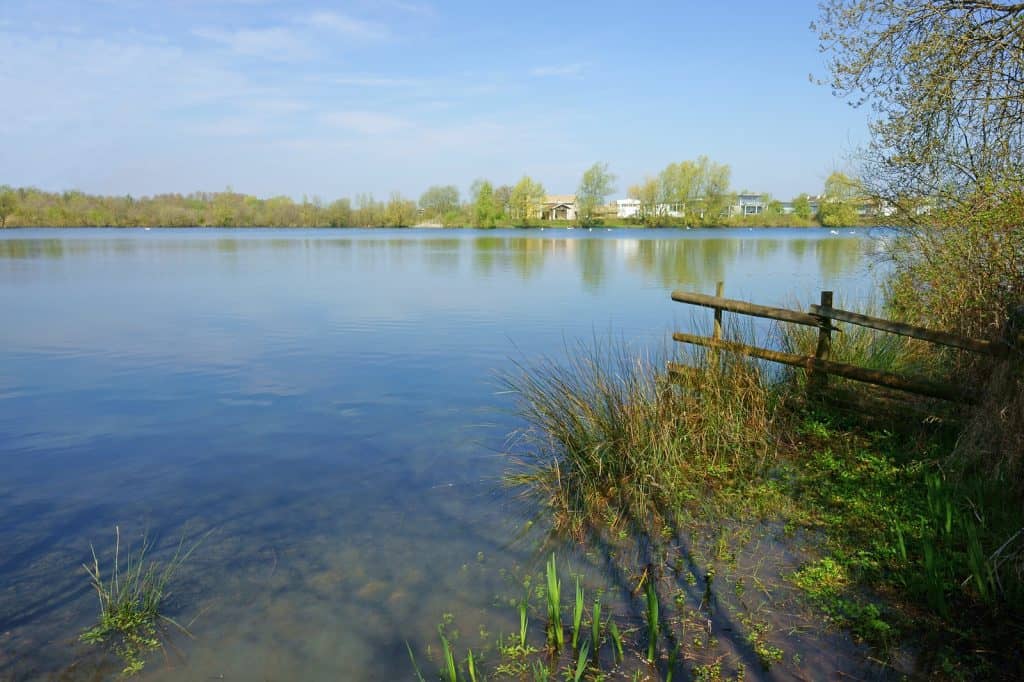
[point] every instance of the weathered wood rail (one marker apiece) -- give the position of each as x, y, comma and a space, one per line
819, 366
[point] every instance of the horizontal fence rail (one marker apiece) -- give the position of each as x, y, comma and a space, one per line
819, 366
932, 389
941, 338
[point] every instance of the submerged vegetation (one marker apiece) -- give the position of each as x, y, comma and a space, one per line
132, 594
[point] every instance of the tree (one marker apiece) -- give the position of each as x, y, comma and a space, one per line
439, 201
526, 201
648, 193
946, 81
802, 207
8, 205
400, 212
839, 203
596, 185
484, 213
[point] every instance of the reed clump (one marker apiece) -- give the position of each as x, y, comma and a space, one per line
613, 439
132, 595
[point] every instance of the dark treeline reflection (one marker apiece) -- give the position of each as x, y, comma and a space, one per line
678, 259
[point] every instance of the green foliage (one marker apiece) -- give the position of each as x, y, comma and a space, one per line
131, 600
525, 201
556, 636
8, 205
437, 201
653, 622
944, 80
596, 185
484, 211
838, 206
802, 207
577, 615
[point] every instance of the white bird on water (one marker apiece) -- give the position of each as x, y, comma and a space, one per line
832, 232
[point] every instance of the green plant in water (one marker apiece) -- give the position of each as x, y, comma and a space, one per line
412, 659
613, 630
556, 637
451, 672
673, 660
581, 663
471, 666
523, 607
577, 615
595, 632
653, 626
131, 599
540, 672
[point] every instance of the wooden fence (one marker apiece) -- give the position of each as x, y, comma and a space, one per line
819, 366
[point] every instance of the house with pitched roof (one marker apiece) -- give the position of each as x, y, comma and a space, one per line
559, 207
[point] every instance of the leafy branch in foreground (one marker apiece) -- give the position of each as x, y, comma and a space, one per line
131, 598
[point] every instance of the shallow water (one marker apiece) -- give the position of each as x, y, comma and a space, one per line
323, 401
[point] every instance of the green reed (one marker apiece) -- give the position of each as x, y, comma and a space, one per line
556, 637
577, 615
613, 630
595, 631
581, 663
653, 625
451, 671
131, 600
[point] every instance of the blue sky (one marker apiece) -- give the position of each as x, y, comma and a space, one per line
336, 98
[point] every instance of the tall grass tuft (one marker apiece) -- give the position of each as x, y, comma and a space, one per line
131, 598
611, 439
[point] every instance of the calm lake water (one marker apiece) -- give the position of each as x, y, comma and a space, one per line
323, 401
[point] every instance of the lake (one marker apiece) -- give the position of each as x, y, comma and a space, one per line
325, 404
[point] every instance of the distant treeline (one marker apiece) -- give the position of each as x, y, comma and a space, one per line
690, 193
31, 207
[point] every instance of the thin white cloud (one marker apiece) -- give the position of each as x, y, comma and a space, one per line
559, 70
419, 8
374, 82
367, 122
350, 27
277, 43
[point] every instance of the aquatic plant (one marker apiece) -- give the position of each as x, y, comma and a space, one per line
577, 615
523, 622
613, 630
595, 631
412, 659
581, 663
556, 636
653, 624
131, 600
450, 671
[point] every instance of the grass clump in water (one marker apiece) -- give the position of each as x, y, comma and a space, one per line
132, 596
613, 440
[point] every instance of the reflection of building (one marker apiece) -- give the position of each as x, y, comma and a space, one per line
559, 207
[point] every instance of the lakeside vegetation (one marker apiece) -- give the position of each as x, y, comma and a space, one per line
698, 191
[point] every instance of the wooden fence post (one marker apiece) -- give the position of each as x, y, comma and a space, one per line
717, 333
819, 380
